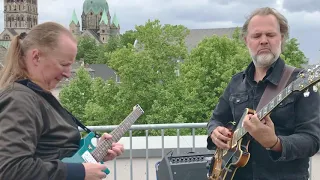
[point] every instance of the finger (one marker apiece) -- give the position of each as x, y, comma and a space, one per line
254, 119
221, 144
224, 131
102, 175
117, 150
112, 153
119, 146
268, 120
247, 123
216, 141
106, 136
220, 136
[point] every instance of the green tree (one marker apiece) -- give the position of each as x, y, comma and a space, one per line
75, 96
85, 44
204, 76
292, 54
128, 38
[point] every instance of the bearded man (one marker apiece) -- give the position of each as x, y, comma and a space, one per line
280, 144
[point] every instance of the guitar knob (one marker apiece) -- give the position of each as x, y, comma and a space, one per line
315, 88
306, 94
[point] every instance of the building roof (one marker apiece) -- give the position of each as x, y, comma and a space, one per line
197, 35
74, 18
95, 6
104, 17
115, 20
12, 31
103, 71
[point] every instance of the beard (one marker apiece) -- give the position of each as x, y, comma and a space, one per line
265, 59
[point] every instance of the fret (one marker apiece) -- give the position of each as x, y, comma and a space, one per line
279, 98
272, 103
265, 109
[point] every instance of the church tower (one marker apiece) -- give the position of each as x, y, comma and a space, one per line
20, 15
74, 25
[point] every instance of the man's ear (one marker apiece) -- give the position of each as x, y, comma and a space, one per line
245, 39
35, 55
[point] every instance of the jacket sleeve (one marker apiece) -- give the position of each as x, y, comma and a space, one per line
21, 125
220, 117
305, 141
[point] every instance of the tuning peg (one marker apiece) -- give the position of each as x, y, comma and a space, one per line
306, 94
315, 88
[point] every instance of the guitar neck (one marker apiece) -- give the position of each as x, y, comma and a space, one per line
102, 149
265, 110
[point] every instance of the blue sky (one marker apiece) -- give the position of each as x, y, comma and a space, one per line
303, 16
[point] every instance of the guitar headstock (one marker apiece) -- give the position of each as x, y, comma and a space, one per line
307, 78
138, 108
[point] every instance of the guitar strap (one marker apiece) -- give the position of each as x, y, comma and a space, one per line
271, 91
79, 123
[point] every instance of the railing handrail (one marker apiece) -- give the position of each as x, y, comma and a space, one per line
149, 126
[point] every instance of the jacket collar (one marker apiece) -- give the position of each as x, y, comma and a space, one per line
35, 87
273, 75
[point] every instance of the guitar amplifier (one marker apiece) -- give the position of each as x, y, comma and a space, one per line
184, 167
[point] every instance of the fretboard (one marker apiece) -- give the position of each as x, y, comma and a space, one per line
265, 110
102, 149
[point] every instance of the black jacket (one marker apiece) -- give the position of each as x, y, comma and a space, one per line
35, 133
296, 120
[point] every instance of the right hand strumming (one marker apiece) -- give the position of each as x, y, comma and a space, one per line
220, 136
94, 171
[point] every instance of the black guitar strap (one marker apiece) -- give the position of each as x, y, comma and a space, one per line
272, 91
79, 123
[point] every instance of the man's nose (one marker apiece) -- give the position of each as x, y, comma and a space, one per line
67, 73
264, 40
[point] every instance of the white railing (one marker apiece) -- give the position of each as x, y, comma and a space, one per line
144, 146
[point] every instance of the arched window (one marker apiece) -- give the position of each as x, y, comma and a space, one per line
6, 37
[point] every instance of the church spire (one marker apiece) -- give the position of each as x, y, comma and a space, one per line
115, 21
104, 18
74, 18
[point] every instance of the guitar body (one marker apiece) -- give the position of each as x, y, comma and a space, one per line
235, 158
225, 166
84, 153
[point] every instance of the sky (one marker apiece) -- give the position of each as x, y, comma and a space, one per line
303, 16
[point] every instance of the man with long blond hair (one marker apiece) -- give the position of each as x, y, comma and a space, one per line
36, 132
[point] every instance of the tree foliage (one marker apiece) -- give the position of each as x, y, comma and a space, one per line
292, 54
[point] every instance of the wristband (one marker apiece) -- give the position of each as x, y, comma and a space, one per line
273, 145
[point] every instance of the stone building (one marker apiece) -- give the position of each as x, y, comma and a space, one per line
96, 21
19, 16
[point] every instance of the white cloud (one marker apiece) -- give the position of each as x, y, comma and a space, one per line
192, 14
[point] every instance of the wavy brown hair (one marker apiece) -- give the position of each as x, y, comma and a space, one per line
283, 22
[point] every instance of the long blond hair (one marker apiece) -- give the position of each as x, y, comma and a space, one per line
44, 36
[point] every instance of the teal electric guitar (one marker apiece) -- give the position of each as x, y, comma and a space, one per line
95, 154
